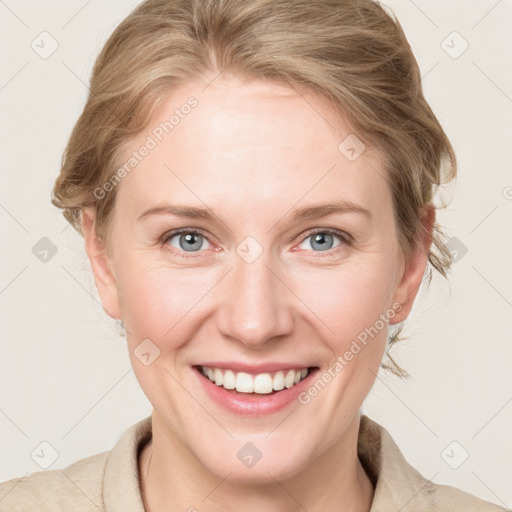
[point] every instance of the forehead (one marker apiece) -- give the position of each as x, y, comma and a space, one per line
250, 144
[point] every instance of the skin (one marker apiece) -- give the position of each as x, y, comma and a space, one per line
252, 152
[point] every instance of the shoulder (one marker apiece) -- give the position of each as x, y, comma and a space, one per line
77, 487
399, 486
105, 481
445, 497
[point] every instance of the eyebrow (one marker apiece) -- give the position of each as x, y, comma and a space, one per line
299, 214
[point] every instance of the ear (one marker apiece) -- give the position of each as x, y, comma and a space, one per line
414, 267
101, 265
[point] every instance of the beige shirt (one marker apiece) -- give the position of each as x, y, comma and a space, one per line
109, 481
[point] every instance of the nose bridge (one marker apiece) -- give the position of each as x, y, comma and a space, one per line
255, 308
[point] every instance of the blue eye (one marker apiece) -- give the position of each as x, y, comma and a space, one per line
323, 239
185, 240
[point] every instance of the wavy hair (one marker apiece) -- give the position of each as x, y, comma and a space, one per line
352, 52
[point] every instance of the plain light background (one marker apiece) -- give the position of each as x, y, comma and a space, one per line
65, 374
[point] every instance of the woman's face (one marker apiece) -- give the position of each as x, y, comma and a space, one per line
247, 290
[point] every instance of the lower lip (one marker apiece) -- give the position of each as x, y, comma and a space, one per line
253, 403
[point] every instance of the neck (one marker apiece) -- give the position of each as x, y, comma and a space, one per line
172, 478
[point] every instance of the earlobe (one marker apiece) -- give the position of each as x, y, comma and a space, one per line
414, 267
100, 264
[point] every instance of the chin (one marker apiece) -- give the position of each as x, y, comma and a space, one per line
265, 470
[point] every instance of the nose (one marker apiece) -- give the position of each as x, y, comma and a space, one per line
256, 306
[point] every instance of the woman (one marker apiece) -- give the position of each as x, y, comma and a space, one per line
254, 183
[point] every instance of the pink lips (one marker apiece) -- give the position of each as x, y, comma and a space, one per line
252, 404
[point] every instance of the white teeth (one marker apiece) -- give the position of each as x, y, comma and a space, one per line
263, 383
289, 379
244, 383
218, 376
278, 382
229, 380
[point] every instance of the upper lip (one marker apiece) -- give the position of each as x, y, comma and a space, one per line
253, 368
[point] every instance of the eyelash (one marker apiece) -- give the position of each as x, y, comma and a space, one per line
345, 238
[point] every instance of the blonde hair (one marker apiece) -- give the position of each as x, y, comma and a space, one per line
352, 52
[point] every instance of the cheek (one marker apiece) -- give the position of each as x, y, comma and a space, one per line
348, 300
159, 303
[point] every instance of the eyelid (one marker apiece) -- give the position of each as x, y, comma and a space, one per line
333, 231
173, 232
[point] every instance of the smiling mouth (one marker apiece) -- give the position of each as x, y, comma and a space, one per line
261, 383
